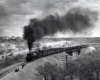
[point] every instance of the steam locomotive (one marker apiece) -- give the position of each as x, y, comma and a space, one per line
42, 53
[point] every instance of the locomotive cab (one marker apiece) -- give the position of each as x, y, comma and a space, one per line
31, 56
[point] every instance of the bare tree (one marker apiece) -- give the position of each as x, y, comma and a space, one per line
50, 72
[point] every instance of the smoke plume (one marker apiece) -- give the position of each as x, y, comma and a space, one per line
76, 20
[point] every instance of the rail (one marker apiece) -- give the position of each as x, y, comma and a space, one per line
9, 69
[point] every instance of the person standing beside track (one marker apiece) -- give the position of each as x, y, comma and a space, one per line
23, 65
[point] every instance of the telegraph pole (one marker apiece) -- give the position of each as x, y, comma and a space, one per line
65, 60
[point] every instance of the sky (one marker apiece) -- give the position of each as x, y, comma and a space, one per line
15, 14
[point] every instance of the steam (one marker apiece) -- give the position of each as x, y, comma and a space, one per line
77, 20
54, 44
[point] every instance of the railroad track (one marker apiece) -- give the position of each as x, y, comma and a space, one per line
9, 69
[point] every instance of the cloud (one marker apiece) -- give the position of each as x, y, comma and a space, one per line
2, 12
16, 13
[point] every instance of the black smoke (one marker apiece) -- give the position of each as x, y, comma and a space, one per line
74, 20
